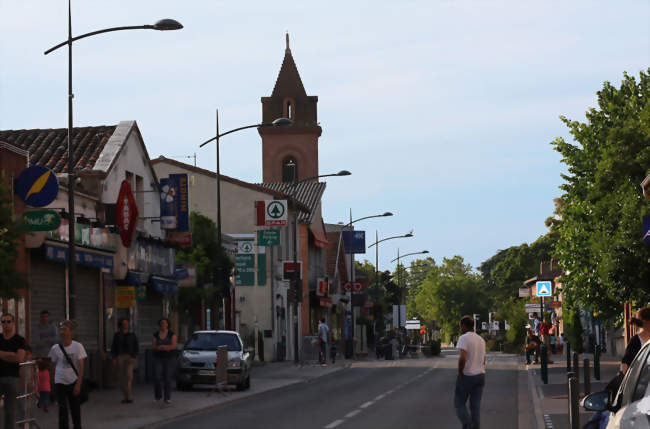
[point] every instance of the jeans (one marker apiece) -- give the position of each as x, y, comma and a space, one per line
65, 397
534, 352
9, 388
469, 386
164, 368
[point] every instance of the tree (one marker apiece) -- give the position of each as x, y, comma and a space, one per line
599, 244
450, 291
10, 235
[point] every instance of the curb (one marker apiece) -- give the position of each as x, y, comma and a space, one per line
230, 401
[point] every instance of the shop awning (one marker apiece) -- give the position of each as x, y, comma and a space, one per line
319, 238
136, 278
164, 285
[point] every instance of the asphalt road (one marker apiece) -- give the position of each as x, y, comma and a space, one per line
411, 394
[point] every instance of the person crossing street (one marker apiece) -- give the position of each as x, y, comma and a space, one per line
471, 375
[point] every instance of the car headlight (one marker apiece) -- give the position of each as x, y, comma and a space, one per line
184, 360
234, 363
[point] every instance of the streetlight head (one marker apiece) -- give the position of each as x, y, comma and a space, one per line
387, 214
408, 235
167, 24
425, 251
281, 122
343, 173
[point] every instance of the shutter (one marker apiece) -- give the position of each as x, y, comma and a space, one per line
46, 290
149, 312
87, 307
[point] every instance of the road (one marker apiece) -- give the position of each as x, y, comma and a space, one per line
412, 393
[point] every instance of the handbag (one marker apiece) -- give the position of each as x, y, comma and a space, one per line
83, 393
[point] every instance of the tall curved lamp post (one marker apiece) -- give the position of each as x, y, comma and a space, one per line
376, 245
348, 226
162, 25
296, 274
399, 282
280, 122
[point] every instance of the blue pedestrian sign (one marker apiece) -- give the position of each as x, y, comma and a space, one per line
37, 186
544, 288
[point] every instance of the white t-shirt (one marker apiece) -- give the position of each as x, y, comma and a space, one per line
64, 374
474, 345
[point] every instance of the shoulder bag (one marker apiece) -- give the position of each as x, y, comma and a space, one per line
83, 393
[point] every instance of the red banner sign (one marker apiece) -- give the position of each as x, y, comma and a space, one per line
183, 239
126, 213
353, 287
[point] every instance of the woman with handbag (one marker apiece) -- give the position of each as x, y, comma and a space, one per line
68, 359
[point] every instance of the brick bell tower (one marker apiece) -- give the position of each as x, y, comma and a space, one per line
290, 150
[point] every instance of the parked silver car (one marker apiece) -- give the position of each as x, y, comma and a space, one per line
196, 362
630, 405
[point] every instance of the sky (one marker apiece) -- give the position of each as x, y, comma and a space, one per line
442, 110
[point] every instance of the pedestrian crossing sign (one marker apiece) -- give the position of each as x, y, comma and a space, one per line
544, 288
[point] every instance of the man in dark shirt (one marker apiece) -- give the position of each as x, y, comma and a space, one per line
124, 351
532, 346
12, 353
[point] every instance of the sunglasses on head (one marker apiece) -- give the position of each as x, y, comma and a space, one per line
7, 321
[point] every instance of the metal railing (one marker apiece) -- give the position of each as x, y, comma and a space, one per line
29, 372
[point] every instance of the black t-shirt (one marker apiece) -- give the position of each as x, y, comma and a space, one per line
10, 369
534, 338
167, 341
631, 350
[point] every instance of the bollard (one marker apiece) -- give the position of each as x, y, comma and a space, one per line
568, 356
597, 362
587, 377
544, 360
576, 366
574, 410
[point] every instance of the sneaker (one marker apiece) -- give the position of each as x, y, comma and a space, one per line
168, 402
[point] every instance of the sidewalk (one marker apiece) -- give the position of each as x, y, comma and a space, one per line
551, 401
104, 409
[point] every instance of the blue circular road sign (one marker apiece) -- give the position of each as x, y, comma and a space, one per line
37, 186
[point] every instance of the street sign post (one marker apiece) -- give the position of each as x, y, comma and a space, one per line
524, 292
268, 237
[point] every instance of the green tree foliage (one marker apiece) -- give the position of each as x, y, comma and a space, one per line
10, 235
513, 311
211, 263
600, 245
450, 291
505, 272
413, 277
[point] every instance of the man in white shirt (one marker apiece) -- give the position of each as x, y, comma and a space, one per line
471, 374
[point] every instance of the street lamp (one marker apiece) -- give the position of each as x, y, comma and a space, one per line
376, 244
162, 25
296, 274
351, 278
280, 122
399, 283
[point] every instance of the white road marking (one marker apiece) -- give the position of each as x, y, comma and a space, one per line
367, 404
380, 397
352, 414
389, 392
334, 424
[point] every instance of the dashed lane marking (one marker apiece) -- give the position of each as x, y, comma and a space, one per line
334, 424
367, 404
352, 414
380, 397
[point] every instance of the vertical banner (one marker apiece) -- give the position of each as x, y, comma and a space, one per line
182, 202
167, 204
354, 241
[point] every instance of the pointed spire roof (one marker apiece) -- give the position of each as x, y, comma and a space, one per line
288, 82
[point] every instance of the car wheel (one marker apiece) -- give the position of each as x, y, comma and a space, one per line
183, 386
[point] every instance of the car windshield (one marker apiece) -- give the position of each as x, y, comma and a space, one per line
212, 340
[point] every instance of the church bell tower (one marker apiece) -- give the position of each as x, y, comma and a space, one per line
292, 151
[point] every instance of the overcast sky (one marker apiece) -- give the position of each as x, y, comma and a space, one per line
442, 110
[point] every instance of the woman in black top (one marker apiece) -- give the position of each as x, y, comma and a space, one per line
164, 347
642, 320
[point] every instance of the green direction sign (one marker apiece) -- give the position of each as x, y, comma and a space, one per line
41, 220
268, 237
245, 269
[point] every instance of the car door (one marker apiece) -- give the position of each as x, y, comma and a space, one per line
632, 391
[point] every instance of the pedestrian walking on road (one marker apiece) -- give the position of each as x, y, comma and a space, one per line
471, 375
323, 335
164, 346
124, 351
68, 356
12, 353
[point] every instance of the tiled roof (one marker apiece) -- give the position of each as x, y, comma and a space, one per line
308, 193
209, 173
48, 147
